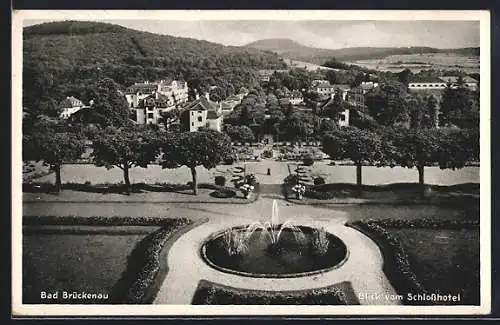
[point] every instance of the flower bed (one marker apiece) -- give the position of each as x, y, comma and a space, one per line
209, 293
400, 267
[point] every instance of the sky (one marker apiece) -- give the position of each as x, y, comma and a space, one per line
330, 34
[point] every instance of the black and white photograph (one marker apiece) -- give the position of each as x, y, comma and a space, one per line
251, 163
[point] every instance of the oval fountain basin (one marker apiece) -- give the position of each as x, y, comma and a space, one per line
292, 255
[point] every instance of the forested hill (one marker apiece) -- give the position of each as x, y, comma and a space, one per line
65, 55
293, 50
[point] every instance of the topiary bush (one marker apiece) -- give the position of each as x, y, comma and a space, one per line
308, 161
220, 180
223, 193
319, 181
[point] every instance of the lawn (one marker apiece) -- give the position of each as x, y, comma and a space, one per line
86, 262
428, 256
117, 258
209, 293
444, 260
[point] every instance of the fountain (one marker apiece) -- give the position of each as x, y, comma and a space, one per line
273, 249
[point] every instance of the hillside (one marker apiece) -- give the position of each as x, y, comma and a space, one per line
61, 58
293, 50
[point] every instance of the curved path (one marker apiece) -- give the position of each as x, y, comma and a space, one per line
363, 267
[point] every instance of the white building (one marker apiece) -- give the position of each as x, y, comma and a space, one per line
204, 113
69, 106
296, 97
174, 90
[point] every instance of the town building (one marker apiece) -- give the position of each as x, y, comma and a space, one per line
368, 86
343, 115
69, 106
343, 89
175, 91
430, 82
296, 97
356, 98
202, 113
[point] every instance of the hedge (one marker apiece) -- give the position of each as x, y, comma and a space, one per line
209, 293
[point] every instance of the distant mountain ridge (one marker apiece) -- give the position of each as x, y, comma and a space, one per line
293, 50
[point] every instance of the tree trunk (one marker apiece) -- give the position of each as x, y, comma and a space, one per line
57, 169
126, 178
359, 182
195, 181
421, 184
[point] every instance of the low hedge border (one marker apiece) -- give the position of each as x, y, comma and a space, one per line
159, 188
155, 268
396, 261
338, 294
99, 221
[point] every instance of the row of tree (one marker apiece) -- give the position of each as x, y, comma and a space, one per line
448, 148
126, 147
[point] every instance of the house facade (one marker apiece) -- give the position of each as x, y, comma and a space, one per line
343, 115
203, 113
296, 97
265, 75
69, 106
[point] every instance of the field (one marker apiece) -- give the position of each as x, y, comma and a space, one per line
417, 62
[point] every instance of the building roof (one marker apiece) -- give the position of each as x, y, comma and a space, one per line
144, 87
428, 79
202, 104
342, 86
71, 102
296, 94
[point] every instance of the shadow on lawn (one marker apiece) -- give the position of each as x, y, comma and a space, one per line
120, 188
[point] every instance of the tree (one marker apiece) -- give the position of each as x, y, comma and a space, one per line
53, 147
192, 149
457, 107
124, 148
387, 104
109, 105
416, 148
240, 133
457, 147
360, 146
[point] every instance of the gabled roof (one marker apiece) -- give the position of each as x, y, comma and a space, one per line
143, 87
428, 79
71, 102
202, 104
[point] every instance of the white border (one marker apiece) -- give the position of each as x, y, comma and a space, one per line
19, 309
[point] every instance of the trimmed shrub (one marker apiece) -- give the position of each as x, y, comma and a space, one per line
223, 194
220, 180
308, 161
319, 181
291, 179
250, 179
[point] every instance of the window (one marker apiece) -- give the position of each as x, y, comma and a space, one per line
192, 113
192, 123
200, 119
342, 117
150, 115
